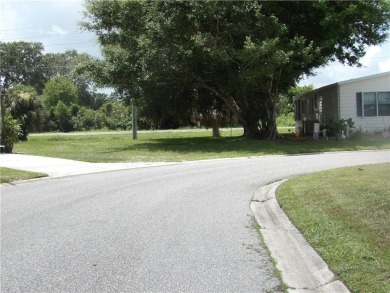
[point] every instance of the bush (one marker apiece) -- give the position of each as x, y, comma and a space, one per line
63, 117
11, 132
87, 119
27, 107
335, 127
117, 115
285, 120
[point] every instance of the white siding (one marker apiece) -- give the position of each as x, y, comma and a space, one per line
348, 109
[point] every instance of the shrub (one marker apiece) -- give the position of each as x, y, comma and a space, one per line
285, 120
11, 132
335, 127
63, 116
116, 114
27, 107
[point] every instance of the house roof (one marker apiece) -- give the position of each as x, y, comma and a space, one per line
345, 82
364, 77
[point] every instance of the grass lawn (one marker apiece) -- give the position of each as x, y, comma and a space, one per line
179, 146
345, 215
9, 175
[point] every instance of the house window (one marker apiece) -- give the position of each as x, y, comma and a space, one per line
369, 104
383, 104
373, 104
359, 106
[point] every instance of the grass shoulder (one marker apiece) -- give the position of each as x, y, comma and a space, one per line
345, 215
8, 175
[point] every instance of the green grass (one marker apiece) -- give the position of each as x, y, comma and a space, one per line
8, 175
179, 146
345, 215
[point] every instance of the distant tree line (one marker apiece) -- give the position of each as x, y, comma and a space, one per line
53, 92
45, 92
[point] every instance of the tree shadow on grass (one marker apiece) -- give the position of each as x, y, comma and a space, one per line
203, 147
185, 148
245, 147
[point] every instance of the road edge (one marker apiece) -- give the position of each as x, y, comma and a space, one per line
301, 267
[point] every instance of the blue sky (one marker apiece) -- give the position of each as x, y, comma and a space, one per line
54, 23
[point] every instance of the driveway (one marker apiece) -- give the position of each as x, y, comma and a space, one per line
184, 227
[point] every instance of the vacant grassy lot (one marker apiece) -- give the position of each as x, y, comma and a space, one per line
9, 175
345, 215
179, 146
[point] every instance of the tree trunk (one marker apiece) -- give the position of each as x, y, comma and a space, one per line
269, 129
8, 148
248, 119
251, 128
216, 132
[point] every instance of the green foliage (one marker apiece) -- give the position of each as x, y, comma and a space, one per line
25, 63
286, 100
335, 127
68, 64
25, 106
244, 53
21, 62
113, 115
286, 119
24, 73
60, 89
10, 133
85, 120
116, 115
63, 117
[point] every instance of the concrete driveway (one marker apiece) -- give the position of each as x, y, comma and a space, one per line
55, 167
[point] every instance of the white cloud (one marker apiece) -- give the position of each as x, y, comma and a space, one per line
8, 20
56, 30
376, 60
384, 65
371, 54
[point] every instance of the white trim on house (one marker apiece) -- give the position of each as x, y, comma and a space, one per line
364, 78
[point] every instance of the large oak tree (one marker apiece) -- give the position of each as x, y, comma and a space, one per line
21, 62
244, 53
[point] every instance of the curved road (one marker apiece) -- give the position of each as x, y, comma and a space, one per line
178, 228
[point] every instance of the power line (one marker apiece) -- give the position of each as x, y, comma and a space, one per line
37, 27
44, 36
65, 44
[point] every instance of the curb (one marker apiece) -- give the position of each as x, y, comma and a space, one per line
302, 269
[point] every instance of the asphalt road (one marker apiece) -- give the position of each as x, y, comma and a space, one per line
176, 228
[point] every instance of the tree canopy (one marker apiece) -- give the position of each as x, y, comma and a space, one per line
22, 62
60, 89
243, 53
46, 92
25, 63
67, 64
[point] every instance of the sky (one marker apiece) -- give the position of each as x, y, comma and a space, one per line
55, 24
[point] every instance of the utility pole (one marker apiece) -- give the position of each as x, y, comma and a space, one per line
2, 110
134, 116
